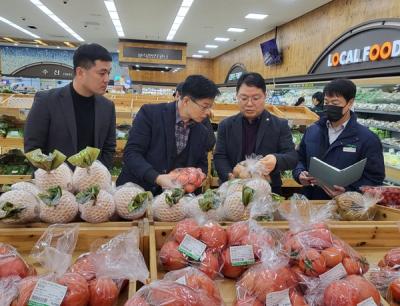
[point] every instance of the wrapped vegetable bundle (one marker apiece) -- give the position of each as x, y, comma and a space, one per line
57, 206
170, 206
89, 171
52, 171
188, 178
207, 206
95, 205
131, 201
18, 207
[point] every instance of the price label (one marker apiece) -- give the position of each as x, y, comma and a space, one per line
192, 247
242, 255
368, 302
334, 274
47, 294
278, 298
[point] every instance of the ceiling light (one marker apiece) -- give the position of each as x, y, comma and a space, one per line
18, 27
112, 10
9, 39
221, 38
203, 51
49, 13
211, 46
256, 16
40, 42
238, 30
180, 16
197, 55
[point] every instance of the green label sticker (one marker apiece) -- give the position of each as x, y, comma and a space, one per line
242, 255
47, 294
192, 247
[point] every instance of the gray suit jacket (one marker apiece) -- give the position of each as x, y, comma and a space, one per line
51, 125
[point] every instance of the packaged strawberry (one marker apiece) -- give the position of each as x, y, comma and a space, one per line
269, 282
312, 248
389, 195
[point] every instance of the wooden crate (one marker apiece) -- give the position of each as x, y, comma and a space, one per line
159, 234
300, 115
23, 240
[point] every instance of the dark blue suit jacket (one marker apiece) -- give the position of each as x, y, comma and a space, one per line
151, 146
363, 142
273, 137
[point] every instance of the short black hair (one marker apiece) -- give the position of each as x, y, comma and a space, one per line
299, 101
319, 96
87, 54
252, 79
199, 87
178, 89
341, 88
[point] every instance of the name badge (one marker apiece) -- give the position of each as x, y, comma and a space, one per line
350, 149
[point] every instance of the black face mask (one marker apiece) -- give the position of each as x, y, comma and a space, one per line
333, 112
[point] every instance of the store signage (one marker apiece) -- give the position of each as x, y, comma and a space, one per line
368, 46
235, 73
145, 53
45, 70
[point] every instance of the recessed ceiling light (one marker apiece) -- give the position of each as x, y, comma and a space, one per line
238, 30
112, 11
221, 38
211, 46
53, 16
197, 55
180, 16
203, 51
18, 27
256, 16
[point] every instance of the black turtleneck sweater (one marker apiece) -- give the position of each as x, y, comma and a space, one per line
84, 117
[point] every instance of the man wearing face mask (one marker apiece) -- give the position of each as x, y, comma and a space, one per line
340, 141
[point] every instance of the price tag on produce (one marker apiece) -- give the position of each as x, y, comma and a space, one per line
334, 274
278, 298
192, 247
242, 255
47, 294
368, 302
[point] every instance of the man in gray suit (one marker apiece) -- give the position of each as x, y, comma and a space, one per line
76, 116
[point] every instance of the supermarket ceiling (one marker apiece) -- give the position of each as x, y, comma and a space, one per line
150, 20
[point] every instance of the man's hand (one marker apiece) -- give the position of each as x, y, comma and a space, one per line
269, 163
337, 190
241, 172
165, 181
306, 180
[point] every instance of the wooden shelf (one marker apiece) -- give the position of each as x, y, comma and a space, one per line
120, 144
10, 142
12, 179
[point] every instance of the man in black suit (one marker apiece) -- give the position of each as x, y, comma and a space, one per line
167, 136
254, 131
76, 116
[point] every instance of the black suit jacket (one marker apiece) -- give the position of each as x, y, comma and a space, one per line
273, 137
151, 147
51, 125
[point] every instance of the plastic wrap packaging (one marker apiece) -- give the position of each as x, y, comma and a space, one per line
270, 282
251, 167
95, 205
390, 195
89, 171
198, 281
170, 206
12, 264
189, 178
57, 206
18, 207
8, 289
353, 206
313, 250
131, 201
52, 171
266, 208
207, 206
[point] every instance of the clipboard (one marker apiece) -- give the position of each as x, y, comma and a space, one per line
328, 175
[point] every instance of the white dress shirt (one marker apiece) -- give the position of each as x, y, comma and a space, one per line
334, 132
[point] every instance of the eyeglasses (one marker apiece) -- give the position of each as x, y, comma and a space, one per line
254, 99
203, 108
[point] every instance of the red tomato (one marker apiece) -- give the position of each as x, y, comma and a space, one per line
77, 290
312, 263
84, 266
170, 257
332, 256
210, 264
186, 226
103, 292
394, 291
227, 269
352, 266
214, 236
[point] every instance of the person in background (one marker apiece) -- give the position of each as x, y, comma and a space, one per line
167, 136
75, 116
318, 102
254, 131
340, 141
207, 122
300, 102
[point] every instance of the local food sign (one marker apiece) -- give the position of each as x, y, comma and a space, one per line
45, 70
373, 45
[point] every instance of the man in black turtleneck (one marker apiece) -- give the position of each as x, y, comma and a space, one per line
76, 116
